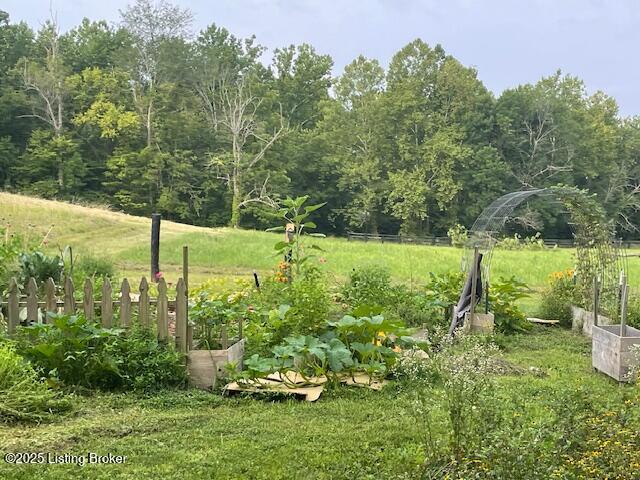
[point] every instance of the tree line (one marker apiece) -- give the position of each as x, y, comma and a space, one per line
148, 116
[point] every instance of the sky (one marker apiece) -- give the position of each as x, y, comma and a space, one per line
508, 42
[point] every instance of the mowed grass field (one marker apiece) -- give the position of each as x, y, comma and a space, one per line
229, 253
347, 434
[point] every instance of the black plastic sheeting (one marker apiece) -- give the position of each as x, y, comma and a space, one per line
464, 304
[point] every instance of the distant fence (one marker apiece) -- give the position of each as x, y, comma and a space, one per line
446, 241
29, 308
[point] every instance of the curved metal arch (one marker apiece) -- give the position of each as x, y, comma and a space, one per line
490, 223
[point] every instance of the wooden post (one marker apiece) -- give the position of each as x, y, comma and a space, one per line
185, 277
32, 301
125, 304
621, 281
162, 310
155, 246
51, 302
13, 307
69, 300
181, 316
87, 300
185, 267
143, 303
596, 299
107, 304
623, 311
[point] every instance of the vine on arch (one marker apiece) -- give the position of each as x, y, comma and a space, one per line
596, 252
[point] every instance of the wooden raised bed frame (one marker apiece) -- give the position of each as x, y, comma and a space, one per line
610, 352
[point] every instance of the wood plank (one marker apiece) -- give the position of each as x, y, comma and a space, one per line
106, 308
143, 303
69, 301
125, 304
51, 302
87, 300
543, 321
32, 300
181, 316
13, 310
162, 310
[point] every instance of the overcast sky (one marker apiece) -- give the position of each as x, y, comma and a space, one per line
509, 42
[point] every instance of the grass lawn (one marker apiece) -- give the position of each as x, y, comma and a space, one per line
229, 253
347, 434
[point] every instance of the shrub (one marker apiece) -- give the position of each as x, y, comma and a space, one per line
310, 303
458, 235
76, 352
23, 396
305, 306
558, 297
144, 364
370, 285
415, 309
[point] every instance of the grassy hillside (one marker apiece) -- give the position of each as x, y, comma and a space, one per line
235, 253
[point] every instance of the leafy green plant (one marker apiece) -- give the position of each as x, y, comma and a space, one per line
516, 242
503, 297
558, 296
10, 247
369, 285
144, 364
458, 235
310, 303
40, 266
348, 345
76, 352
72, 350
295, 212
443, 291
461, 368
23, 395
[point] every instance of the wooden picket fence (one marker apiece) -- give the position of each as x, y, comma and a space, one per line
89, 305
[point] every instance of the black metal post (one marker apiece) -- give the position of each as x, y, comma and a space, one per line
155, 246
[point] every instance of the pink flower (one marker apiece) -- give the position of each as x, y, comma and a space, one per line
159, 275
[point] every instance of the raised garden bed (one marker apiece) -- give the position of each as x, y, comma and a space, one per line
610, 349
205, 366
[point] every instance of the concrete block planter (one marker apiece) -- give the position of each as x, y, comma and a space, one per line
205, 366
610, 350
479, 322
